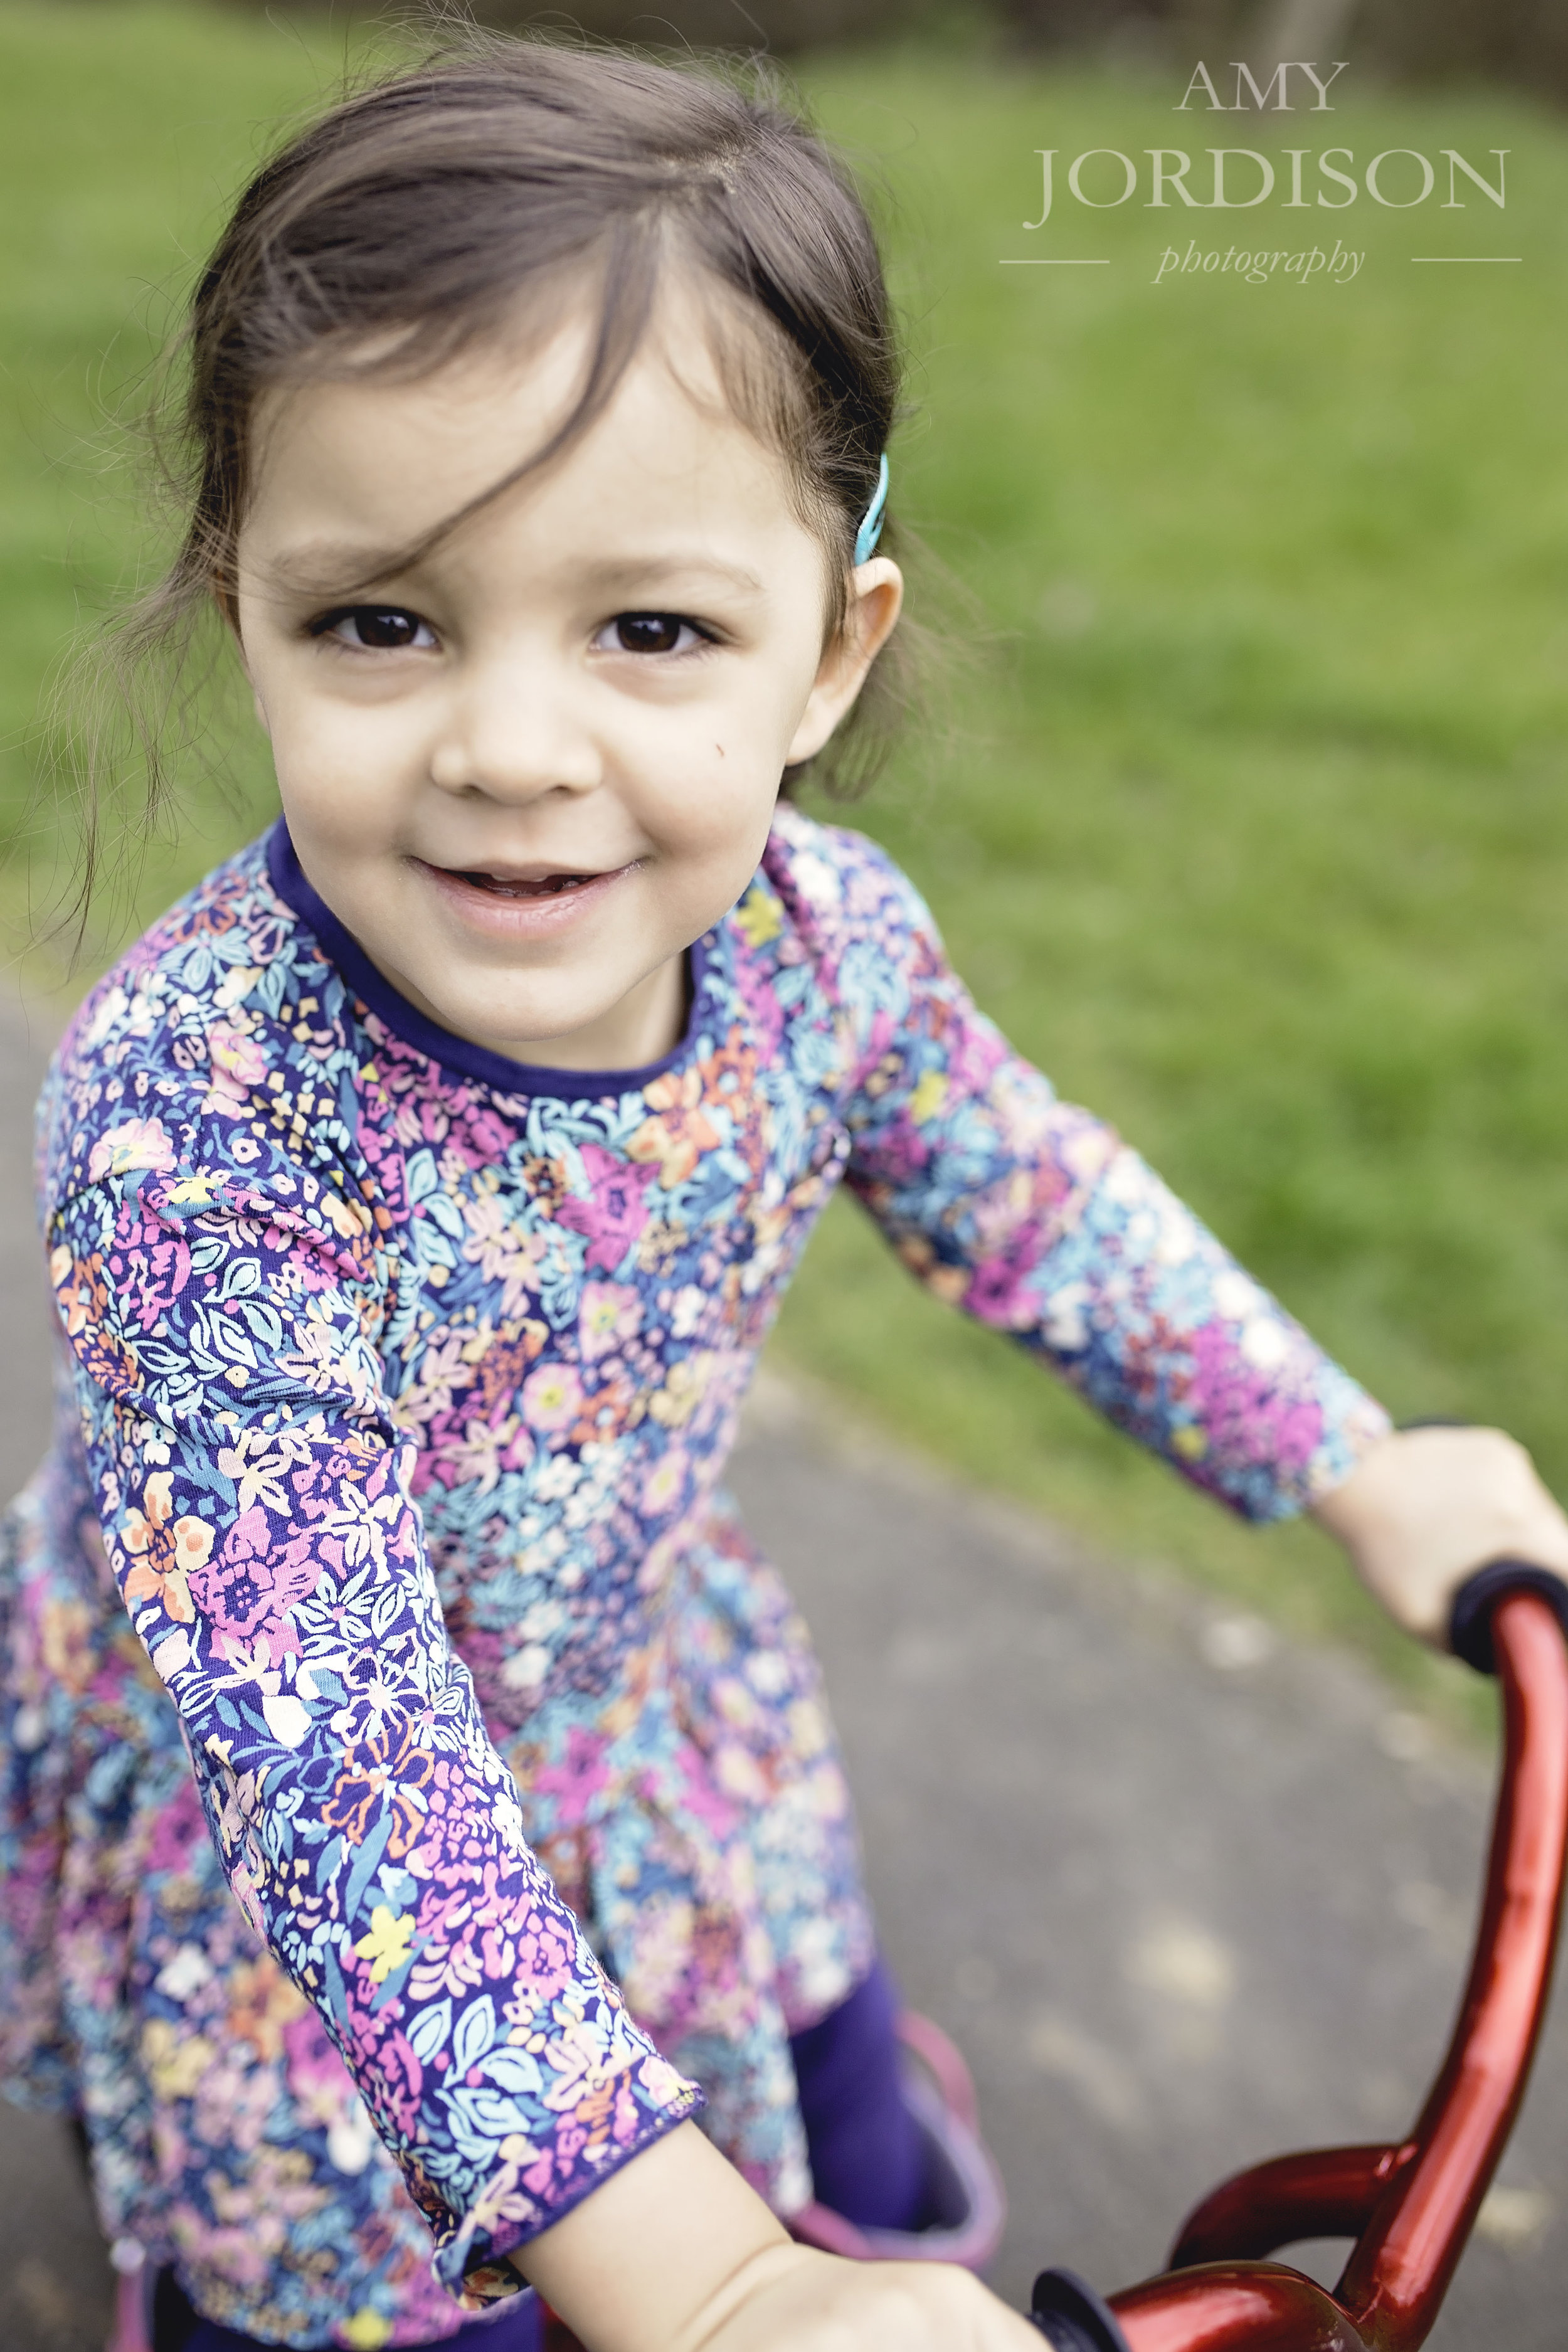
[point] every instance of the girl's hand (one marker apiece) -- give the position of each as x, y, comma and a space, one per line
792, 2299
1428, 1507
675, 2253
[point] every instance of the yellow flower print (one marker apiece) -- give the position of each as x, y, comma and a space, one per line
368, 2331
198, 1191
386, 1946
347, 1218
928, 1097
165, 1554
684, 1384
174, 2063
67, 1644
759, 916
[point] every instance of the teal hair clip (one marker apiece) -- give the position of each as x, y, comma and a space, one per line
870, 530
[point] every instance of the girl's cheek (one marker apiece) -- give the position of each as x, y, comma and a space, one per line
718, 805
349, 749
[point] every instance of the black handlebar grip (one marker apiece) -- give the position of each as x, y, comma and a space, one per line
1471, 1624
1071, 2317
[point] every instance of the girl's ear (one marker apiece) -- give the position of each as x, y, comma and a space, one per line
876, 596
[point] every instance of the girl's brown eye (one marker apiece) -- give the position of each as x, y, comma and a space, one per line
652, 633
380, 628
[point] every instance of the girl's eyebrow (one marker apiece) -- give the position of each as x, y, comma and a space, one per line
652, 571
322, 567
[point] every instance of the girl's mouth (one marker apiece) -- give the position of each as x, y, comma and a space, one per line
522, 905
511, 886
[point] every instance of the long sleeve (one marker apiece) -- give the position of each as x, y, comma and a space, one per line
255, 1501
1034, 1217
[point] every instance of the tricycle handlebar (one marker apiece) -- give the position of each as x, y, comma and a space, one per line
1410, 2205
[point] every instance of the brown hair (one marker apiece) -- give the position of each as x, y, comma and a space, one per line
408, 223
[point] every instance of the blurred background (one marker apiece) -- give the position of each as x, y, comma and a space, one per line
1244, 808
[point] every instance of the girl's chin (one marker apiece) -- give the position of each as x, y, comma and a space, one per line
496, 913
544, 1030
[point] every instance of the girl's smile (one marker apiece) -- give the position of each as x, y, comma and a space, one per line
530, 765
521, 904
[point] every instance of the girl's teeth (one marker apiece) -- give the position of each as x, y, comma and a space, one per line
549, 886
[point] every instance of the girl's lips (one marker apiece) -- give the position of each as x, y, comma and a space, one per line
520, 906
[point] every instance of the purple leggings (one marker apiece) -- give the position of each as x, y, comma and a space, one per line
867, 2163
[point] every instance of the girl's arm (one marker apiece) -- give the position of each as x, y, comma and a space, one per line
676, 2254
1034, 1217
255, 1498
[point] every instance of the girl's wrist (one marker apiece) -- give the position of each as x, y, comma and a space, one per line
643, 2264
1427, 1507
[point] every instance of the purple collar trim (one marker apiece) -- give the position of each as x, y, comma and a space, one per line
395, 1012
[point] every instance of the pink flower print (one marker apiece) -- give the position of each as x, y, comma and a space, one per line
390, 2066
134, 1143
761, 999
152, 1267
615, 1213
552, 1397
165, 1554
583, 1774
1247, 1411
996, 1293
609, 1315
180, 1835
489, 1135
316, 2073
238, 1064
252, 1588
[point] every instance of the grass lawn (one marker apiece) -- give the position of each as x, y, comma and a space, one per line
1252, 825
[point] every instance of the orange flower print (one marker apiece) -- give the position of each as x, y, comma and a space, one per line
165, 1554
261, 2002
681, 1133
389, 1770
82, 1293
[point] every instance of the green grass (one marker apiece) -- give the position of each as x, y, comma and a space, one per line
1253, 827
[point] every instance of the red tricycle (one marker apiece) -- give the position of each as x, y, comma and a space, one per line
1409, 2206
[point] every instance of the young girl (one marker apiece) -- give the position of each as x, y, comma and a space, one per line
421, 1801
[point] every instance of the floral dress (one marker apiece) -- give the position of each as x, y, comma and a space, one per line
415, 1784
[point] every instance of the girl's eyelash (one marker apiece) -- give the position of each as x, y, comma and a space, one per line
397, 628
652, 623
390, 628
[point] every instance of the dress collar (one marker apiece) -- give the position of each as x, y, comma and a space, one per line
394, 1012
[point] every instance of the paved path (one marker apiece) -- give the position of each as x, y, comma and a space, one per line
1186, 1897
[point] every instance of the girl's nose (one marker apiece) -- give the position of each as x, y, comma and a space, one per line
515, 729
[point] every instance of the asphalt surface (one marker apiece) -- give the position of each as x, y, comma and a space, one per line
1185, 1896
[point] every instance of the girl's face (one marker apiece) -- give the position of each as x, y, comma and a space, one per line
529, 771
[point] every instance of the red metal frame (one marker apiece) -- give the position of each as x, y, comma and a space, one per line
1410, 2206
